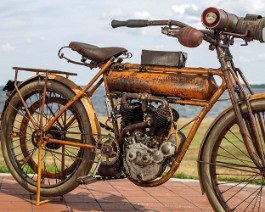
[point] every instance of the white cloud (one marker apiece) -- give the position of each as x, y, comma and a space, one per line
29, 41
146, 31
160, 46
252, 6
249, 58
42, 38
259, 5
143, 14
113, 13
180, 9
261, 56
194, 7
7, 47
239, 7
14, 8
243, 59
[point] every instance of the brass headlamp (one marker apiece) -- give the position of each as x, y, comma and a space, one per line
252, 26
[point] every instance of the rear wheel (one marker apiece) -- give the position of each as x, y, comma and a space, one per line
231, 179
61, 164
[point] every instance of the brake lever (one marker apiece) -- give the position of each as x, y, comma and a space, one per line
169, 31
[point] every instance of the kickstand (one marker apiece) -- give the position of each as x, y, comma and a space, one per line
42, 144
38, 202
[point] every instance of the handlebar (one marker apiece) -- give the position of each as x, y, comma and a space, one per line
134, 23
217, 22
129, 23
186, 35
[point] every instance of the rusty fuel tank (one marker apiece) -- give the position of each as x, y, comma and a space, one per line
188, 86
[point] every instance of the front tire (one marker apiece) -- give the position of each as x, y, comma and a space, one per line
230, 179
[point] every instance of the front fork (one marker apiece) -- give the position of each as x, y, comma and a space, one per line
233, 86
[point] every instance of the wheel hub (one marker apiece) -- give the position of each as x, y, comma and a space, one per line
52, 133
35, 138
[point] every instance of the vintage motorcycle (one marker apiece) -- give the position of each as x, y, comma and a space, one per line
52, 139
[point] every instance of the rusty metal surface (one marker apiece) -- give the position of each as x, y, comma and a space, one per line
50, 71
167, 69
186, 86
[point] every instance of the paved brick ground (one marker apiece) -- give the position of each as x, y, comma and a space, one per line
112, 195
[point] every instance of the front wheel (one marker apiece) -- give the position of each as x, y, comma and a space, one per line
61, 164
231, 180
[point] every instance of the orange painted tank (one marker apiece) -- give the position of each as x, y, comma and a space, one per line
188, 86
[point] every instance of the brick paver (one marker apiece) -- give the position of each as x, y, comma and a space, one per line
112, 195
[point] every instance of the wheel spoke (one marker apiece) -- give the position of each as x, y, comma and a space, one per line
237, 182
245, 200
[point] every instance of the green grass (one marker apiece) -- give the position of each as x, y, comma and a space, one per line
184, 176
188, 166
4, 169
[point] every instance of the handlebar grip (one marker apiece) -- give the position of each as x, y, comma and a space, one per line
129, 23
189, 37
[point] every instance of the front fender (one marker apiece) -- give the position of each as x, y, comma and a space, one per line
96, 130
213, 124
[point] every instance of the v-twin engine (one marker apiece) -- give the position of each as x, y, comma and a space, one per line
148, 149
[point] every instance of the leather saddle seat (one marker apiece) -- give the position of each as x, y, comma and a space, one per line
96, 54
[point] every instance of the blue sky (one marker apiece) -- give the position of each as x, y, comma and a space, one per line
32, 31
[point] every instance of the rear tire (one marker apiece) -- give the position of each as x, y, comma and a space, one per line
61, 164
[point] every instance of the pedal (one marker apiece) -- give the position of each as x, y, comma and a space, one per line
86, 180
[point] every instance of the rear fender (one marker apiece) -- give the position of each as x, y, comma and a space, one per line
76, 89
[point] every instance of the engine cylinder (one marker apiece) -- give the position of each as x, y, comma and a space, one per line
189, 86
